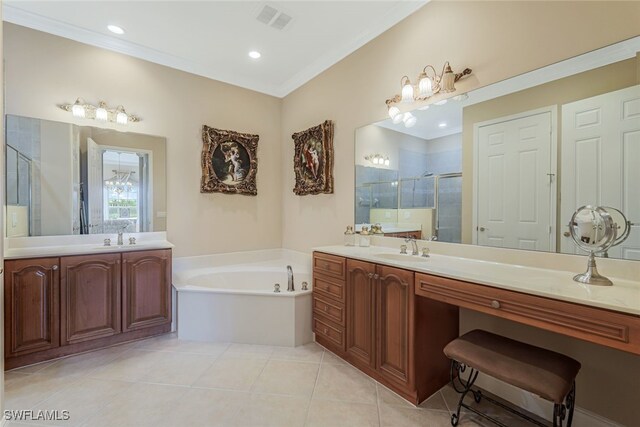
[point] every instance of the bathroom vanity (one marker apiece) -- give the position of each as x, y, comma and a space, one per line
390, 315
84, 298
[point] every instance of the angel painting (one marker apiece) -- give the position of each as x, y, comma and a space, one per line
313, 160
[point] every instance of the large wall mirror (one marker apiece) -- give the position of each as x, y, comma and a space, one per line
64, 179
506, 165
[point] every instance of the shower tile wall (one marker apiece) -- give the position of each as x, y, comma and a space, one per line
378, 195
450, 210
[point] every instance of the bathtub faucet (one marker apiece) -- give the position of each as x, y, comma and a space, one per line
290, 287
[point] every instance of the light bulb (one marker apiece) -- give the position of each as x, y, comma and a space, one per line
397, 119
101, 112
77, 109
393, 112
386, 161
121, 116
425, 87
407, 92
409, 120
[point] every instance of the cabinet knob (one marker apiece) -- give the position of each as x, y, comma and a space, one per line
55, 267
495, 304
370, 275
326, 308
566, 234
375, 276
325, 331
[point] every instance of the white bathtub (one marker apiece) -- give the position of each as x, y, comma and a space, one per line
231, 298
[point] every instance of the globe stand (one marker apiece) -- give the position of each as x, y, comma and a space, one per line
591, 276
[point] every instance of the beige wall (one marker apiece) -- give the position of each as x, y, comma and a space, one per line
579, 86
44, 70
497, 40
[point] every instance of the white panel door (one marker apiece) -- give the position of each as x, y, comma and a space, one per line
95, 187
601, 162
515, 178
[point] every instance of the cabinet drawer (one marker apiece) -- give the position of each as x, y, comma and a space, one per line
597, 325
329, 265
328, 287
330, 310
329, 331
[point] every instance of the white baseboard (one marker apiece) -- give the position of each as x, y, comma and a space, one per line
539, 406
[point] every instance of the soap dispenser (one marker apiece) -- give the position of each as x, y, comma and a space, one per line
349, 237
365, 237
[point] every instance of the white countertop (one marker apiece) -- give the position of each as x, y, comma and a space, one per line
33, 247
623, 296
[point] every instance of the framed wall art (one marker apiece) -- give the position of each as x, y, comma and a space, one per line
229, 162
313, 160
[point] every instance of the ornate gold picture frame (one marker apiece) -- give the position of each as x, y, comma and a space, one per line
229, 162
313, 160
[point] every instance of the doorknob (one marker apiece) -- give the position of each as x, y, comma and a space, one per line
482, 228
566, 234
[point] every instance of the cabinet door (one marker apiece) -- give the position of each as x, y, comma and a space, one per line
360, 304
146, 289
394, 315
90, 297
31, 303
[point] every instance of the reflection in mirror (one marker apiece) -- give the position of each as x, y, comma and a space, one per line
506, 165
66, 179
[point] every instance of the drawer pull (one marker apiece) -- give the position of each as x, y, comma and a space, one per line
326, 308
495, 304
325, 331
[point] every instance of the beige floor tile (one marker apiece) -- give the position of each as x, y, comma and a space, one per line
264, 410
82, 364
395, 416
132, 365
435, 403
31, 390
31, 369
140, 405
285, 377
311, 352
332, 359
388, 397
83, 399
171, 342
251, 348
327, 413
344, 383
233, 374
11, 376
200, 407
178, 368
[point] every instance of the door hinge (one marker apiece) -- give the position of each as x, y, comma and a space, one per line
551, 177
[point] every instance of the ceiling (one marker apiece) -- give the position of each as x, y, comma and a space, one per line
213, 38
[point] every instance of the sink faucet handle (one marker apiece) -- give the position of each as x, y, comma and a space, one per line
107, 242
403, 249
425, 252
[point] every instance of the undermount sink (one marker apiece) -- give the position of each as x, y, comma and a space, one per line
402, 257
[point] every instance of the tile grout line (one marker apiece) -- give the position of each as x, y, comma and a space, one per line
315, 384
378, 404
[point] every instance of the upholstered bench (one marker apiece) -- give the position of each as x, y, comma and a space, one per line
545, 373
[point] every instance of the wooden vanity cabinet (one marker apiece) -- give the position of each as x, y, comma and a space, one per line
90, 297
31, 306
65, 305
146, 287
390, 334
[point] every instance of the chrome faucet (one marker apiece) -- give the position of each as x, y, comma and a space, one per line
414, 245
290, 286
120, 239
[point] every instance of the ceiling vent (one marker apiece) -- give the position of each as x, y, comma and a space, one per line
274, 18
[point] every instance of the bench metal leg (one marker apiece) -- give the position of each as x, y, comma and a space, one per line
463, 386
562, 410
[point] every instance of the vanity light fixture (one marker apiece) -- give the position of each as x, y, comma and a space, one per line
429, 84
378, 159
102, 112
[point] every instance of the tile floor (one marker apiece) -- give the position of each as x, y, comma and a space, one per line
164, 381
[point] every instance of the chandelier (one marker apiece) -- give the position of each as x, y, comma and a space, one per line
119, 182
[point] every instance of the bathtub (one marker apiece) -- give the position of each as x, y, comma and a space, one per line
231, 298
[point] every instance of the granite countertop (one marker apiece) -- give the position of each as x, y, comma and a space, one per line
623, 296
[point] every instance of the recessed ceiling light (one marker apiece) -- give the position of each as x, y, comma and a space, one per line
115, 29
255, 54
442, 125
